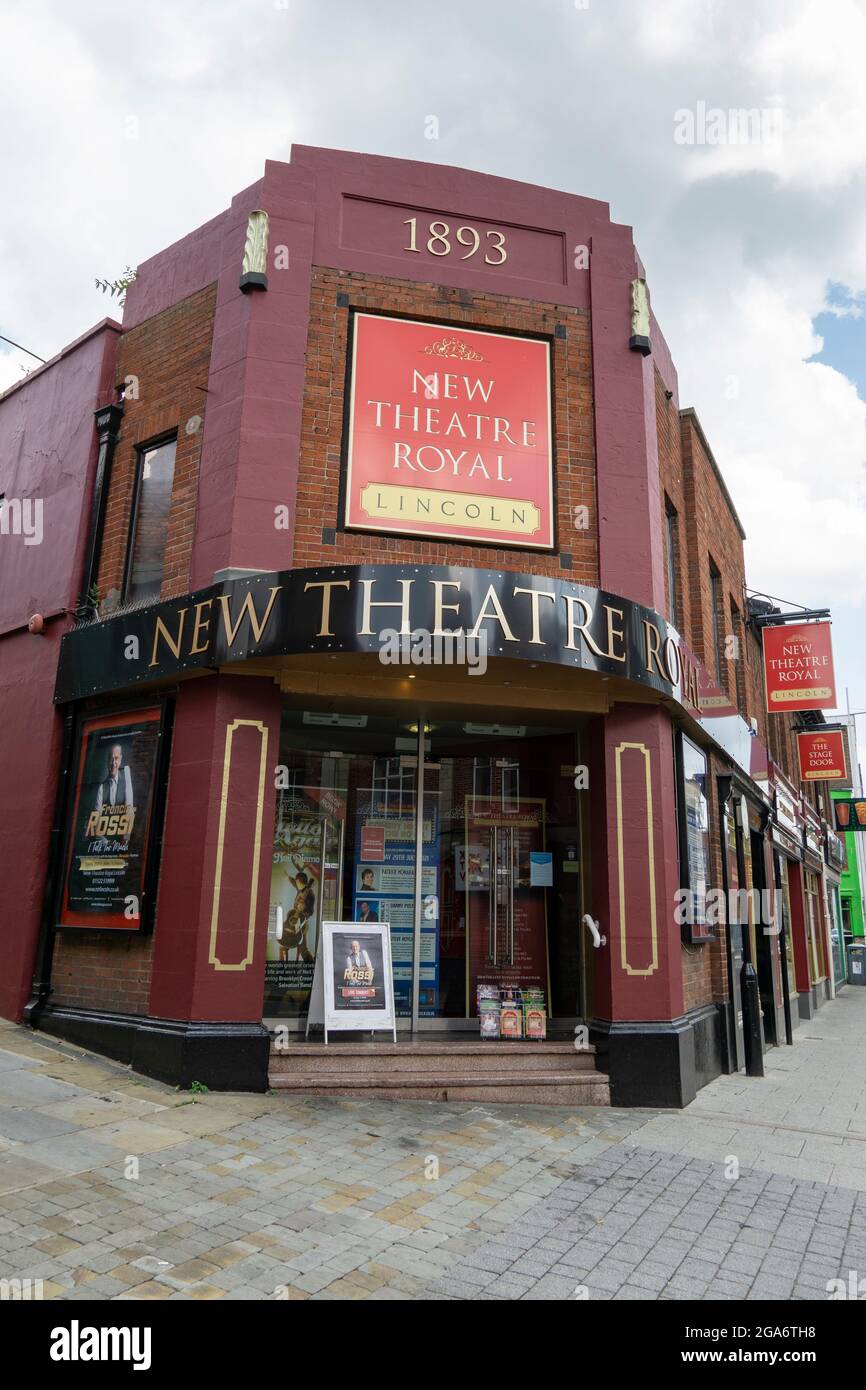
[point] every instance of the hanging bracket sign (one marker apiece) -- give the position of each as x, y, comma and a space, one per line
822, 755
798, 667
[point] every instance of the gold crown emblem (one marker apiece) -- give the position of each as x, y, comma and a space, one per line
453, 347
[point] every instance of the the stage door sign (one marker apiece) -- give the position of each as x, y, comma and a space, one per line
822, 756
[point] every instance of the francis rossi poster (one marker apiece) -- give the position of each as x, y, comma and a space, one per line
112, 806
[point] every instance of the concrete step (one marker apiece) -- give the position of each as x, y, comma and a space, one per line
537, 1058
529, 1088
449, 1043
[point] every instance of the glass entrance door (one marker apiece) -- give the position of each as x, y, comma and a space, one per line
505, 876
343, 848
483, 891
509, 869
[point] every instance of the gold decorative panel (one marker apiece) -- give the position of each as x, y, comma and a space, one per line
213, 956
620, 853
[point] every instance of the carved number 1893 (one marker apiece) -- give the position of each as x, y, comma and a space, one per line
439, 241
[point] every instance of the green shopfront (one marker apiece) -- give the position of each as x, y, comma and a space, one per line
851, 885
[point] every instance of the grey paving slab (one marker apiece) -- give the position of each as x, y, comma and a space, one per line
32, 1087
23, 1125
13, 1061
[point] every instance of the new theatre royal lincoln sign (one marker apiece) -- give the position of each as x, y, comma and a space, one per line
346, 609
449, 433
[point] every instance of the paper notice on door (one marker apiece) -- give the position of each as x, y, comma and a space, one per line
540, 869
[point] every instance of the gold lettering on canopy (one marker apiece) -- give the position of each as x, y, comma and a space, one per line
497, 616
439, 607
671, 657
249, 608
614, 632
652, 656
200, 625
535, 595
365, 629
574, 626
326, 585
160, 630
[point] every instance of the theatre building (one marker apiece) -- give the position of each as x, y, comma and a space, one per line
388, 582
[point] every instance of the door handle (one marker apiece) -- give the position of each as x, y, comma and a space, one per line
492, 898
592, 927
277, 921
511, 885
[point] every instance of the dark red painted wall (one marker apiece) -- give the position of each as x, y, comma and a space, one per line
206, 874
30, 745
48, 453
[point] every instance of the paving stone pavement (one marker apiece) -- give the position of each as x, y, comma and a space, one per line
113, 1186
638, 1224
805, 1119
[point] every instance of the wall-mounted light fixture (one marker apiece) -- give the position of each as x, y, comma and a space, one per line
254, 273
640, 318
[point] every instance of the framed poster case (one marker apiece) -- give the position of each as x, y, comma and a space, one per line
113, 820
353, 984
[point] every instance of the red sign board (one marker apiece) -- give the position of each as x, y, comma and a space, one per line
798, 667
822, 756
373, 844
449, 434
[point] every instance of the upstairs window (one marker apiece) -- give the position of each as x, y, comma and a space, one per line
717, 602
148, 534
672, 556
739, 657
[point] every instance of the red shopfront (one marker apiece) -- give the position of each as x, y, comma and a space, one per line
493, 462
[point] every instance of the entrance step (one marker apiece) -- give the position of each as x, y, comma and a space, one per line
507, 1072
414, 1057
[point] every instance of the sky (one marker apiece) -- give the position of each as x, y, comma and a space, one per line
122, 128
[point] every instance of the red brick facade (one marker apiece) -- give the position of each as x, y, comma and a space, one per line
707, 537
167, 359
94, 970
164, 363
163, 368
673, 495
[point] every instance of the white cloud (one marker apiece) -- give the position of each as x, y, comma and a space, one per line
809, 69
789, 434
817, 51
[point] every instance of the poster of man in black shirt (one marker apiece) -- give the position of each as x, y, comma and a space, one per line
112, 805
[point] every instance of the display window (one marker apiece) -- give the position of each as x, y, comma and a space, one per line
783, 898
694, 837
836, 941
813, 929
483, 892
